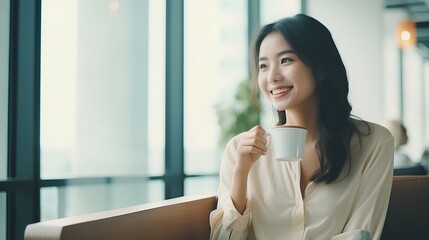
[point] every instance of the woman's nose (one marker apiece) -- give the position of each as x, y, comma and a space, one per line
274, 75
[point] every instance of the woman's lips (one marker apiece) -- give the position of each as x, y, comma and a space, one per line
280, 92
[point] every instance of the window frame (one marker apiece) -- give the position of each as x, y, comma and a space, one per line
23, 201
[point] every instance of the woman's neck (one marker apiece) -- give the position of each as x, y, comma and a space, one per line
306, 119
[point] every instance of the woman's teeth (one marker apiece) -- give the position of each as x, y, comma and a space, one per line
281, 90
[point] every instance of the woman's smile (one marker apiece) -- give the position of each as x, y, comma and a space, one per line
281, 91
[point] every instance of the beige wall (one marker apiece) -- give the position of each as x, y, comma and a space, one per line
365, 35
357, 30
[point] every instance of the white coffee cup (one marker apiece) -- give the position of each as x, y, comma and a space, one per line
287, 142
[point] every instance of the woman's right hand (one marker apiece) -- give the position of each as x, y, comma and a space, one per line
250, 148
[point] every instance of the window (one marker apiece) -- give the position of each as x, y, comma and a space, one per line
272, 10
413, 98
4, 94
57, 202
4, 78
201, 185
215, 63
426, 105
102, 103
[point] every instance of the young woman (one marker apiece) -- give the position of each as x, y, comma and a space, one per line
341, 187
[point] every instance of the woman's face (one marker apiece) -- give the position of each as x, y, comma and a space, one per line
283, 78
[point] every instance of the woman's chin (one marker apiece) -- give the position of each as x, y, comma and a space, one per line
280, 109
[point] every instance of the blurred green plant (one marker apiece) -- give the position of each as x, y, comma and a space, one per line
239, 115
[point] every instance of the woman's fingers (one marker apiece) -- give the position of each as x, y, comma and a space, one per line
257, 133
250, 148
253, 143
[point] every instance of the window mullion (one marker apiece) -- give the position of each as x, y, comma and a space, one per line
24, 115
174, 137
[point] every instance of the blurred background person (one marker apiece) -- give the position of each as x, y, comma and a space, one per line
399, 132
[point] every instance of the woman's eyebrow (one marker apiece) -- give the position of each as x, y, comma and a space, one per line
279, 54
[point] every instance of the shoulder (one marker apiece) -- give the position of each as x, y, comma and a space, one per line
372, 138
373, 132
373, 147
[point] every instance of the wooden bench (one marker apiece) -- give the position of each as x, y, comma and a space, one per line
188, 218
178, 218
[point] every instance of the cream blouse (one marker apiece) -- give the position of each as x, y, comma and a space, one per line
353, 207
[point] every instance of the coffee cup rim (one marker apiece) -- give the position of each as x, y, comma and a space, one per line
288, 126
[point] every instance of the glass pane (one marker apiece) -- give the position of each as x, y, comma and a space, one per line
95, 90
426, 108
3, 216
215, 63
4, 86
272, 10
201, 185
58, 202
413, 103
156, 142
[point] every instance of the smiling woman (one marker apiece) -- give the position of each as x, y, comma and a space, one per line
345, 160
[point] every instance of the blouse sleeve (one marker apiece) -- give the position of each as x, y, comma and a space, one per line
225, 221
369, 209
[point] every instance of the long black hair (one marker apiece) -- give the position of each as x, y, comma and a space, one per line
314, 45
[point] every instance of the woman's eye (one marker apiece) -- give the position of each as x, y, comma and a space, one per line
286, 60
262, 66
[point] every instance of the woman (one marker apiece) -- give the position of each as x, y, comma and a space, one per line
341, 187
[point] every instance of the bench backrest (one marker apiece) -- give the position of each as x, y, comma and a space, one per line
188, 218
408, 213
181, 218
